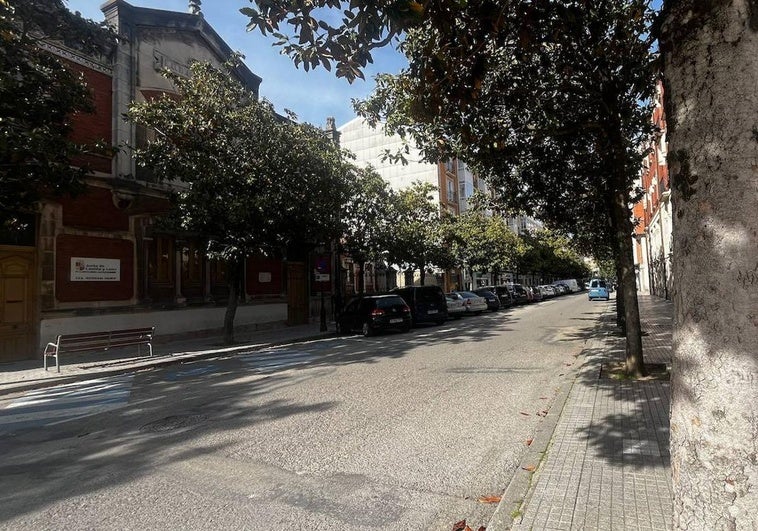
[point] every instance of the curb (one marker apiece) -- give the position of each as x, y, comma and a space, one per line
521, 487
154, 363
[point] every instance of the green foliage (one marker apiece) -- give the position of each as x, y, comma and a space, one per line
38, 94
552, 255
483, 243
416, 240
366, 217
247, 179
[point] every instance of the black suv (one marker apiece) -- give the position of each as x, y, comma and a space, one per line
369, 313
427, 303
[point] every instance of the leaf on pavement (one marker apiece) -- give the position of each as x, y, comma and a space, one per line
529, 468
461, 526
525, 414
489, 499
529, 442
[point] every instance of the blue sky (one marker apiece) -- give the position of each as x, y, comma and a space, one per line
313, 95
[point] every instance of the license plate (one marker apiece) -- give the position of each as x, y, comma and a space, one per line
430, 312
395, 321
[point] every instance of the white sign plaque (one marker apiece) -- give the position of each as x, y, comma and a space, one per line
95, 269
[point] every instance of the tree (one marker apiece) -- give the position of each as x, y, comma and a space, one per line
38, 96
538, 97
366, 219
416, 233
483, 243
248, 180
708, 51
709, 54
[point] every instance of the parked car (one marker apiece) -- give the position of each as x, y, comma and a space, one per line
371, 313
536, 293
473, 302
427, 303
571, 283
493, 301
455, 306
518, 293
598, 290
548, 292
562, 288
505, 297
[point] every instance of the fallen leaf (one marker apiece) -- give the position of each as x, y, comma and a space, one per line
460, 526
543, 398
482, 528
525, 414
489, 499
730, 481
568, 364
561, 374
529, 468
542, 413
529, 442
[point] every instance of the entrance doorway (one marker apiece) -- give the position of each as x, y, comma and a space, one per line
17, 309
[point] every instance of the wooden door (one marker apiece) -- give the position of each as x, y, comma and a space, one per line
297, 294
17, 315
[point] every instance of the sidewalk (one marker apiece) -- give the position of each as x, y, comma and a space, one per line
607, 466
17, 377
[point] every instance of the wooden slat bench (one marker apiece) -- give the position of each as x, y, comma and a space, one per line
93, 341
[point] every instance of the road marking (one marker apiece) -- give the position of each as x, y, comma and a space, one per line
55, 405
274, 359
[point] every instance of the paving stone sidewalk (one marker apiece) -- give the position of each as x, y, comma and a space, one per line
608, 465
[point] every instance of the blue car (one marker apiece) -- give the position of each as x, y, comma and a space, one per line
598, 290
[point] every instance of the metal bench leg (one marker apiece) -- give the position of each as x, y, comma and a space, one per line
150, 347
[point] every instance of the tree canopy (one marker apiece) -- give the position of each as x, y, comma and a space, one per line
246, 179
38, 96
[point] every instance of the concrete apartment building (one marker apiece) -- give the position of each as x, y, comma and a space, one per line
454, 180
653, 233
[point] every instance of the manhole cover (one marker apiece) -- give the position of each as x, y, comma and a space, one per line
174, 422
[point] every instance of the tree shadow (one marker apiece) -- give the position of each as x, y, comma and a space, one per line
189, 410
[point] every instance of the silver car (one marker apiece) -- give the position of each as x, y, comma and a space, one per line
473, 302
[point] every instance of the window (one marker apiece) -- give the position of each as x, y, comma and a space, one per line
450, 166
191, 264
450, 190
161, 260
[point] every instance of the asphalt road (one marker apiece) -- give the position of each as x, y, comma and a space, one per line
397, 431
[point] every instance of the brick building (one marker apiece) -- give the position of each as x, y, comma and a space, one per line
652, 238
98, 261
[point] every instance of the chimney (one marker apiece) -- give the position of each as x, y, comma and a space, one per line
331, 130
194, 7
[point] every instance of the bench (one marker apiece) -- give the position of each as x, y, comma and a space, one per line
93, 341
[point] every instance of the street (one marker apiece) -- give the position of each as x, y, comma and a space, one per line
396, 431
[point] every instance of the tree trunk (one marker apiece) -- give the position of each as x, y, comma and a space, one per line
422, 280
627, 289
232, 281
710, 52
620, 309
361, 276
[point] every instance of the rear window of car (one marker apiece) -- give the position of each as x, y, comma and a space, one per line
597, 284
428, 294
389, 302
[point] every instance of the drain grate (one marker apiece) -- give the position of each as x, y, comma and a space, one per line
172, 423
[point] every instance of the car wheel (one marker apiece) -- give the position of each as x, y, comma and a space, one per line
608, 298
367, 330
405, 329
440, 322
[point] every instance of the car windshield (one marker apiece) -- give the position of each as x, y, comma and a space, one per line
598, 284
468, 295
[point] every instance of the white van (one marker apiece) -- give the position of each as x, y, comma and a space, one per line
571, 283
